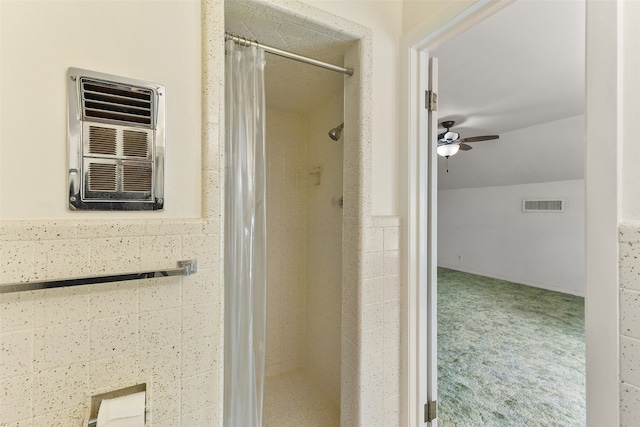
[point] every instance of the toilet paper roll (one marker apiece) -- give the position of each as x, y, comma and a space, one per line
125, 411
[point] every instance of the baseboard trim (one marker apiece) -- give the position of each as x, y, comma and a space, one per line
515, 280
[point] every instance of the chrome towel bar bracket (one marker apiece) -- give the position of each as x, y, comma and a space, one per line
184, 268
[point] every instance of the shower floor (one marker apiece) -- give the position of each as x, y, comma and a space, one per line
294, 399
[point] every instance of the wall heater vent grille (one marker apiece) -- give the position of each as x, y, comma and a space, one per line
116, 102
555, 205
135, 143
102, 140
102, 177
116, 142
136, 177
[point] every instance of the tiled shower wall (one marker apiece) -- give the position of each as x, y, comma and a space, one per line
287, 240
629, 324
304, 299
324, 246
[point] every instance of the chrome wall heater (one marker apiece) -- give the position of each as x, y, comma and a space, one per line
116, 137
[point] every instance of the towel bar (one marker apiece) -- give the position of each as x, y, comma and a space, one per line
185, 268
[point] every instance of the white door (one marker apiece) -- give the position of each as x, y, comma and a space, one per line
431, 297
425, 302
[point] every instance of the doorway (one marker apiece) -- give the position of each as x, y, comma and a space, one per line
419, 52
519, 111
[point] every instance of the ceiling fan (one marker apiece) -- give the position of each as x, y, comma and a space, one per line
450, 142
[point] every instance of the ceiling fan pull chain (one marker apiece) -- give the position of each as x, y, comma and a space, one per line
446, 163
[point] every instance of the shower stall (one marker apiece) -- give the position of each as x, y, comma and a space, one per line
304, 266
304, 146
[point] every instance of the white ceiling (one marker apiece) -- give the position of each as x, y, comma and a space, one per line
521, 67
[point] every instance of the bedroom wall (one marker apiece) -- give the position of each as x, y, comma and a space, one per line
487, 228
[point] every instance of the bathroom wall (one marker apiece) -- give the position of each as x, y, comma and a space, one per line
384, 19
157, 41
421, 17
324, 246
59, 347
182, 363
629, 212
629, 294
287, 183
380, 301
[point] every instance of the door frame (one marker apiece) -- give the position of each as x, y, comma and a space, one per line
603, 97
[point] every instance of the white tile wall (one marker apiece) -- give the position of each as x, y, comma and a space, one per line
58, 347
380, 324
629, 324
287, 240
305, 280
324, 247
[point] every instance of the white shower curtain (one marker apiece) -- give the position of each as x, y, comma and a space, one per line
245, 237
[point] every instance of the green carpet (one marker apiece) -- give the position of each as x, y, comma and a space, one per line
509, 354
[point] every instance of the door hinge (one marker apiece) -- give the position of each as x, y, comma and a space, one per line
431, 100
430, 411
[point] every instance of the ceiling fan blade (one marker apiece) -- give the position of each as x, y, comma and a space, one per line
465, 147
480, 138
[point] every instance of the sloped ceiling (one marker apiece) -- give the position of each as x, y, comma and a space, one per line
519, 74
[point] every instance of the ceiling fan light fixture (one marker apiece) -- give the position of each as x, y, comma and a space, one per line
448, 150
451, 136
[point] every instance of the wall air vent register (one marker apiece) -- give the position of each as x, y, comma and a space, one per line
116, 134
543, 205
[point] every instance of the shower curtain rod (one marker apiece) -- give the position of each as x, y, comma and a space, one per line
242, 41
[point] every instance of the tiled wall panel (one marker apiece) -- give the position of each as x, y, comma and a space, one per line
324, 246
287, 240
58, 347
380, 324
629, 321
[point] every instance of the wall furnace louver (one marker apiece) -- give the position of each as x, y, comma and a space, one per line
116, 134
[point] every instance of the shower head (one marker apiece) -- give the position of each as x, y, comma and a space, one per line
336, 132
